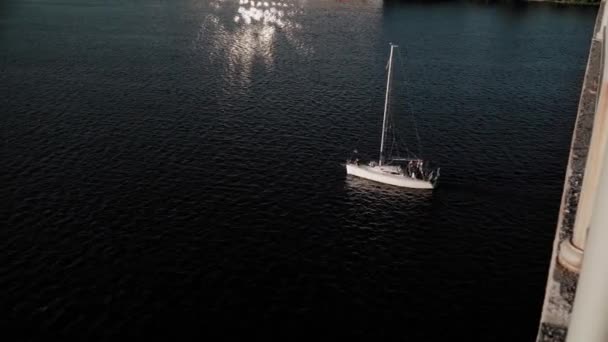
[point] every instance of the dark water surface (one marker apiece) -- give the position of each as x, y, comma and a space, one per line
174, 166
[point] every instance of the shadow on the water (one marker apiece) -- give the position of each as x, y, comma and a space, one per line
356, 185
359, 186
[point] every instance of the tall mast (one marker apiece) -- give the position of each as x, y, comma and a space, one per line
388, 87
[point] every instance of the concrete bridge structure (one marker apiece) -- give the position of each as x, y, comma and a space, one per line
576, 299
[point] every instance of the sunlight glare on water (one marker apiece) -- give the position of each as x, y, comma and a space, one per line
178, 166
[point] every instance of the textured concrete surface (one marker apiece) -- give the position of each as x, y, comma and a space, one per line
561, 283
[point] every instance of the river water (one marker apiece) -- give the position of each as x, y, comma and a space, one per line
175, 166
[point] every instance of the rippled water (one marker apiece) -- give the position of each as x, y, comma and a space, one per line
174, 166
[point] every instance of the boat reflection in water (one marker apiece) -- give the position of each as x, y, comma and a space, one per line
366, 199
357, 186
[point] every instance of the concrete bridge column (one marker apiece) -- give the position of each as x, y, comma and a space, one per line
571, 250
600, 33
588, 320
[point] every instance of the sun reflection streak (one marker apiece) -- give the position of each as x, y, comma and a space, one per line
252, 33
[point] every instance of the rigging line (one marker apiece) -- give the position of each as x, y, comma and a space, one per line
394, 134
341, 92
400, 145
390, 154
367, 102
395, 143
412, 114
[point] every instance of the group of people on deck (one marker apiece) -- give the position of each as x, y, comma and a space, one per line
414, 168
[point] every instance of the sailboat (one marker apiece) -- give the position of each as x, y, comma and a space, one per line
410, 172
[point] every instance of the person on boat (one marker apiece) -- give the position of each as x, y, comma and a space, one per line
355, 155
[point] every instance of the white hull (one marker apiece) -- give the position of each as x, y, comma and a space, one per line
382, 176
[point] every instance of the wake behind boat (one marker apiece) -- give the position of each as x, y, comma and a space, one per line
404, 172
